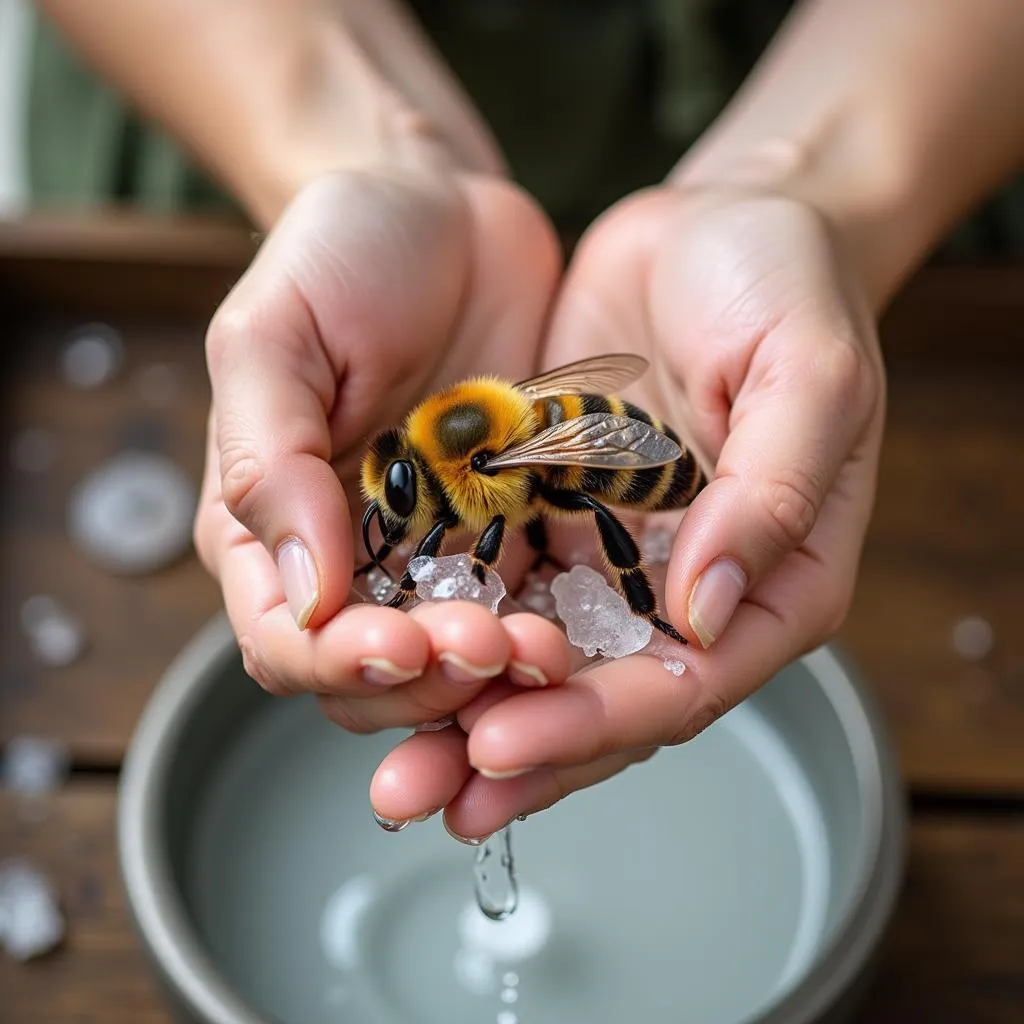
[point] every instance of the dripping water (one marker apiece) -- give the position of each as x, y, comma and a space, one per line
497, 891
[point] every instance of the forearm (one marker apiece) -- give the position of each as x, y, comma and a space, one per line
269, 93
892, 116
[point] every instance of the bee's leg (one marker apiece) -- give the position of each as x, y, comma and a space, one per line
488, 547
620, 549
429, 546
537, 538
377, 563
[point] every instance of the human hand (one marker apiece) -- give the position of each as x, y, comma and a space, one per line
764, 354
373, 289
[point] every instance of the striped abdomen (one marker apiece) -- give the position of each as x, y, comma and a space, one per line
659, 489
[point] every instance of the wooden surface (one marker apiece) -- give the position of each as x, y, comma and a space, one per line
947, 542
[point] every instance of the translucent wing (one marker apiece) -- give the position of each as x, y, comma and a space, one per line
597, 440
601, 375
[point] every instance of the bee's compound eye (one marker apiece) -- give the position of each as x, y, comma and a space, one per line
400, 488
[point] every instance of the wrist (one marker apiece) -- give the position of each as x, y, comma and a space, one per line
875, 207
332, 109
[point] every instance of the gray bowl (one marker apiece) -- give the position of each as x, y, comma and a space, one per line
747, 876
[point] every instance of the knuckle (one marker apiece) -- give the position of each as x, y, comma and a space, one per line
850, 380
694, 724
790, 506
257, 670
241, 474
231, 328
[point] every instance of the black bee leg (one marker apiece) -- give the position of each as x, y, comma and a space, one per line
429, 546
621, 551
379, 556
488, 547
537, 538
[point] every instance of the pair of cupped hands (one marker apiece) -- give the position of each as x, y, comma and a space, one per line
372, 290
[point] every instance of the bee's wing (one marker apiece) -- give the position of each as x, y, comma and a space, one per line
599, 375
598, 440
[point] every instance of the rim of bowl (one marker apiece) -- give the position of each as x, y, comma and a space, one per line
157, 907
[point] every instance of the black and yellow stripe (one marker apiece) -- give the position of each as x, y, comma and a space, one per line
660, 489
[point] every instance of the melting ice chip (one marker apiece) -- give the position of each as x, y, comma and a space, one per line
450, 577
30, 920
34, 764
597, 618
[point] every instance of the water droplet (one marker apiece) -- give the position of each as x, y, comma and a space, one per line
496, 889
507, 1017
509, 995
510, 979
389, 824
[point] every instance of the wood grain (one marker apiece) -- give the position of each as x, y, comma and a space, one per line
947, 542
100, 974
955, 952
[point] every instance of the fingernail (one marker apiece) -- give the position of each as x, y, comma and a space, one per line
299, 579
382, 672
462, 839
458, 670
534, 676
714, 598
511, 774
389, 824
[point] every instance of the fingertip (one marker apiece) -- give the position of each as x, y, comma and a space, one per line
540, 654
420, 776
465, 635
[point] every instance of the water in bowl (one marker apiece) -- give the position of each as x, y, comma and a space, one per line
693, 887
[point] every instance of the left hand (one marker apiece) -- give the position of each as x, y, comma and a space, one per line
764, 354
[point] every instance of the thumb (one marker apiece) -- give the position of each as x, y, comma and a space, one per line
273, 389
807, 400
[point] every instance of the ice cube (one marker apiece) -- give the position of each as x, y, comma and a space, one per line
379, 584
450, 577
675, 666
606, 626
31, 922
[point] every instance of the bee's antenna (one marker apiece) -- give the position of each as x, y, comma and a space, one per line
372, 510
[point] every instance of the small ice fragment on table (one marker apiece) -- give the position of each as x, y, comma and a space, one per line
34, 765
596, 617
134, 513
92, 356
973, 638
34, 450
56, 636
656, 544
450, 577
31, 922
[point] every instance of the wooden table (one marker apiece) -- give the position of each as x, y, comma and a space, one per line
947, 543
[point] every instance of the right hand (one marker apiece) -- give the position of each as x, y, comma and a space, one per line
373, 289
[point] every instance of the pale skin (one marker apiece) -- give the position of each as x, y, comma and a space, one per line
399, 257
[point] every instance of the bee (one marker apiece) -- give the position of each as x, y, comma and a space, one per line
492, 456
